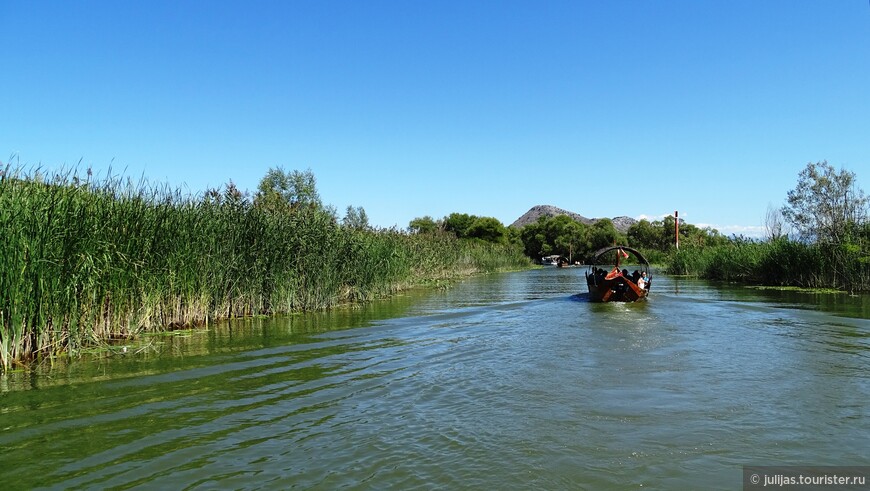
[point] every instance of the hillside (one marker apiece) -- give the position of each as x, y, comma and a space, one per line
622, 223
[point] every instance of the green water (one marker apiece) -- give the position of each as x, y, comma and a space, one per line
503, 382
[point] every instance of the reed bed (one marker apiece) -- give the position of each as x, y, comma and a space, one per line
85, 261
779, 262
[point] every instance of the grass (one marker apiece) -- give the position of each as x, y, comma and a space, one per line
779, 263
85, 261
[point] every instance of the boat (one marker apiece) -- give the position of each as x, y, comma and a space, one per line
550, 260
618, 285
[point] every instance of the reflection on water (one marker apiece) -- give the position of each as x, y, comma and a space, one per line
510, 381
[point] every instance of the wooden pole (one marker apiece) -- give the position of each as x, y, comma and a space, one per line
677, 228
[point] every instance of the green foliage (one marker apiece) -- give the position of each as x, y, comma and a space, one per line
567, 237
459, 223
780, 262
487, 229
465, 226
564, 236
659, 235
356, 218
423, 225
280, 190
84, 261
644, 234
603, 234
825, 204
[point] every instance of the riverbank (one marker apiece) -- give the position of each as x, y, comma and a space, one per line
87, 261
780, 262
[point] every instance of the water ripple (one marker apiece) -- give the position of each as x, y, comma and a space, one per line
505, 382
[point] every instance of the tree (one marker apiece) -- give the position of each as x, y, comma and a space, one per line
826, 204
570, 239
356, 218
488, 229
774, 226
458, 223
535, 240
646, 234
282, 191
423, 225
555, 235
603, 233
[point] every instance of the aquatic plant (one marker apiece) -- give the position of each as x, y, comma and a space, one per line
779, 262
88, 260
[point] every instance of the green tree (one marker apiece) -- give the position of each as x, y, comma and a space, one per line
423, 225
535, 240
570, 238
555, 235
644, 234
825, 204
707, 236
459, 223
356, 218
488, 229
603, 233
514, 236
828, 208
280, 190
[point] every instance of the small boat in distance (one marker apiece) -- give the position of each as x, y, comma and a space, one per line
615, 285
550, 260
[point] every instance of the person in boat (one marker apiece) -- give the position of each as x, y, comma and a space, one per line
641, 282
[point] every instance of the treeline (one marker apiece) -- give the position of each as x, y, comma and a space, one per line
820, 238
465, 226
561, 235
85, 260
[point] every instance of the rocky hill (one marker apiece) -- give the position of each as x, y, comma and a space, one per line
621, 223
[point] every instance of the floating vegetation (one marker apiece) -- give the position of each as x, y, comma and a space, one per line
821, 291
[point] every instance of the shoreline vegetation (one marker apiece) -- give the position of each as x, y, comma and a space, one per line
776, 263
86, 261
820, 239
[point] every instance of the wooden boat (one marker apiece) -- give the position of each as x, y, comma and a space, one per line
618, 285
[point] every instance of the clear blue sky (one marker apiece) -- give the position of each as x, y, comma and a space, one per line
414, 108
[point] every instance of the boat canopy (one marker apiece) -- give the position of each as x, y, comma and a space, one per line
593, 258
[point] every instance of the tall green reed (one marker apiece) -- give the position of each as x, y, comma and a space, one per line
780, 262
87, 260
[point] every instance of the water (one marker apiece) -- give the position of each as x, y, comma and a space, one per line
503, 382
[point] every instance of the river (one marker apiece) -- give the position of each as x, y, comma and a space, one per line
508, 381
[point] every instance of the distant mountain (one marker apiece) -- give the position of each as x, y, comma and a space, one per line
548, 211
621, 223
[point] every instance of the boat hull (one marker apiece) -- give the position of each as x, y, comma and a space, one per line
616, 290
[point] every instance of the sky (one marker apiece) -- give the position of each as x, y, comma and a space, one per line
424, 108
